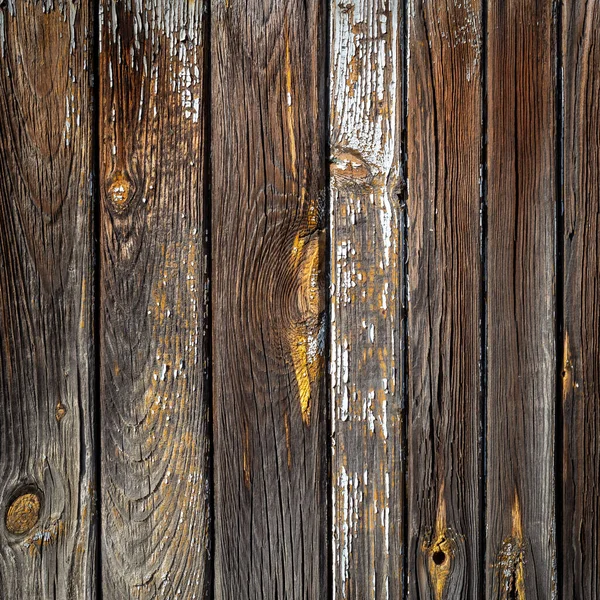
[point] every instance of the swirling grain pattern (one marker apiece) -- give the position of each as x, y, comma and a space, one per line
269, 326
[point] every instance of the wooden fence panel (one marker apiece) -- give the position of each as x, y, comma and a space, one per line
47, 529
521, 547
269, 326
191, 402
444, 311
155, 428
366, 273
581, 302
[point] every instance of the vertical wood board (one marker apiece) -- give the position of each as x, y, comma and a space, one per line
47, 494
269, 326
521, 150
155, 429
444, 312
581, 301
366, 272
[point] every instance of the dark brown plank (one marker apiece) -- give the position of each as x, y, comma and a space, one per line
581, 301
444, 278
521, 547
366, 350
366, 271
47, 498
154, 415
269, 329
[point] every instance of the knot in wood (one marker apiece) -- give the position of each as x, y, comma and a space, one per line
23, 513
120, 192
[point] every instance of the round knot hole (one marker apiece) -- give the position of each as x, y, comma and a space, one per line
439, 557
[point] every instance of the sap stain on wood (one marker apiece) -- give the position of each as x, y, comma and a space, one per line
510, 561
439, 551
268, 294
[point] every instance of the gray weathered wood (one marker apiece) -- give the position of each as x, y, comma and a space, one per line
47, 498
366, 272
155, 437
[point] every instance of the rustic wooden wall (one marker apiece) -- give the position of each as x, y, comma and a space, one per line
299, 299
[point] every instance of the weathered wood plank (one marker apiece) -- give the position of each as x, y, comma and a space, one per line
153, 292
47, 532
366, 271
581, 301
444, 313
268, 243
521, 547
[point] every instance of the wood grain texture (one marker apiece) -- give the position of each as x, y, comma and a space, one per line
47, 497
581, 301
521, 547
269, 329
366, 271
155, 438
444, 283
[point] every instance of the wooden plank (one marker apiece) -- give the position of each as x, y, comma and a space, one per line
444, 282
47, 498
153, 288
521, 547
581, 301
366, 272
269, 330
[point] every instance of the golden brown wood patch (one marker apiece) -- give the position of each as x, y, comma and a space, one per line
23, 513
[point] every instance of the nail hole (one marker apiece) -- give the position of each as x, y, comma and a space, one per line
439, 557
23, 512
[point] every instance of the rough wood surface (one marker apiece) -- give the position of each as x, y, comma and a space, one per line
521, 547
155, 436
47, 534
269, 327
366, 271
581, 301
444, 286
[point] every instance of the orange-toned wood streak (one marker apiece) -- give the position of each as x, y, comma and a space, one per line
521, 152
269, 327
47, 497
581, 301
155, 514
366, 273
444, 286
